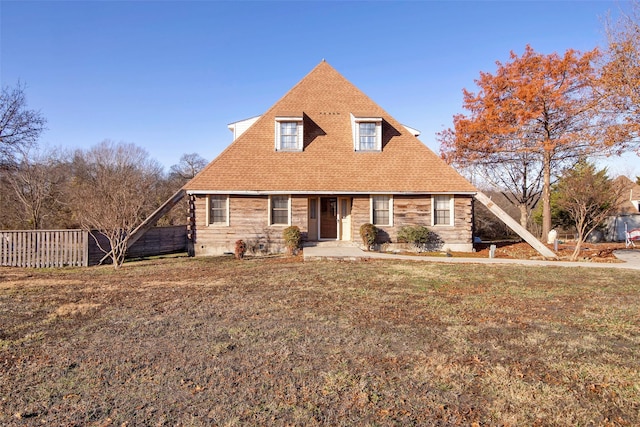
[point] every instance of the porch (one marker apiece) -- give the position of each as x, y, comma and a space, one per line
329, 218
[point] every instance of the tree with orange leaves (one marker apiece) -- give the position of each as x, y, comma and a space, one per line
543, 110
620, 76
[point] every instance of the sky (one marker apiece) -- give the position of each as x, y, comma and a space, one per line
169, 76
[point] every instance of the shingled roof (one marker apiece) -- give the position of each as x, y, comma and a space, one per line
630, 193
328, 163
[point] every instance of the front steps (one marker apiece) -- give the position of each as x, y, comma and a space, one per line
330, 244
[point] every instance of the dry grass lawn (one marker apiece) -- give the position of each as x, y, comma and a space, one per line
280, 342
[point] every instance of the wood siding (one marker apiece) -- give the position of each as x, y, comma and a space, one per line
249, 221
416, 210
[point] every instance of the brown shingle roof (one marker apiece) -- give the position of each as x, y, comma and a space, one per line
328, 162
635, 192
630, 191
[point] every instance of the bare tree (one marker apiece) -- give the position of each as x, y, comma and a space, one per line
114, 190
587, 197
517, 176
33, 191
19, 126
12, 217
179, 174
620, 72
39, 181
189, 166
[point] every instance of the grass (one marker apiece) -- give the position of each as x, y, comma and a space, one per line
279, 342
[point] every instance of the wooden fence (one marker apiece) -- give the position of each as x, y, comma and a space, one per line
61, 248
159, 241
155, 241
44, 248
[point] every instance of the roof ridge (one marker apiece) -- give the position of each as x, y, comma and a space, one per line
322, 63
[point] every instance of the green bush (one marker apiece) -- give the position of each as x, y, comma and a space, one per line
291, 236
368, 233
420, 237
416, 234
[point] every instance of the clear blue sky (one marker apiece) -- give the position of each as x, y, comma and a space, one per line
169, 76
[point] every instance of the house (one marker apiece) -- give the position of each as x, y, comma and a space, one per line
628, 215
327, 159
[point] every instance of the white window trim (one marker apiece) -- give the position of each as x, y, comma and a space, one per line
355, 128
226, 224
300, 136
452, 215
371, 197
288, 211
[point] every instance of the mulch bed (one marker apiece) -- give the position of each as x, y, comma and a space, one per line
595, 252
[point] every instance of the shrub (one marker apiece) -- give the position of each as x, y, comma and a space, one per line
241, 249
368, 233
420, 237
291, 236
416, 234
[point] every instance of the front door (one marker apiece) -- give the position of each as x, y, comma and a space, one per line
329, 218
345, 217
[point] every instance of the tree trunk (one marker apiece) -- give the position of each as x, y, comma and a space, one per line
524, 215
546, 195
576, 251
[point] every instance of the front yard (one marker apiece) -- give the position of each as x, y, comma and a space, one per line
279, 342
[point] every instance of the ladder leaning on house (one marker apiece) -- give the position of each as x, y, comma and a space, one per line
512, 224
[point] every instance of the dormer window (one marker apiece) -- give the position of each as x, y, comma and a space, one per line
367, 133
289, 134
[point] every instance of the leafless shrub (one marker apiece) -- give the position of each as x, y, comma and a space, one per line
113, 192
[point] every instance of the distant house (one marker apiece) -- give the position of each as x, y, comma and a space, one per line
327, 159
628, 215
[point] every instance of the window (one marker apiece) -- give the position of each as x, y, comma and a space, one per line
279, 210
344, 208
218, 210
382, 210
313, 208
289, 133
367, 133
442, 208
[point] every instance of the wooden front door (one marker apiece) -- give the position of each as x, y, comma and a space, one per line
328, 217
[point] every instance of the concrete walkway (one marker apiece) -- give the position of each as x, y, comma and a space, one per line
630, 257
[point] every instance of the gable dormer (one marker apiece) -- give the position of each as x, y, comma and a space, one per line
238, 128
367, 133
289, 133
